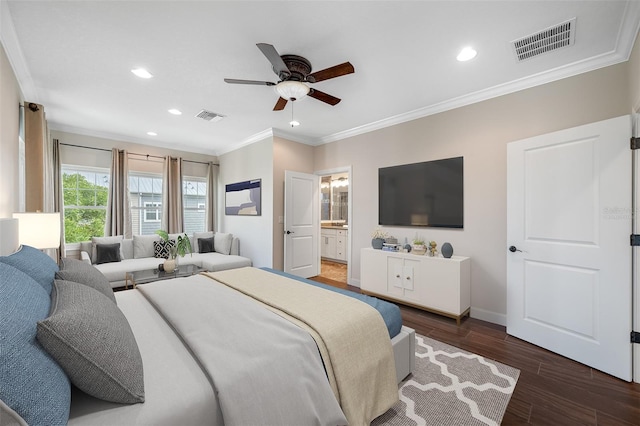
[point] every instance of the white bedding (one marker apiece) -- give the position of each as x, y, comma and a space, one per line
177, 391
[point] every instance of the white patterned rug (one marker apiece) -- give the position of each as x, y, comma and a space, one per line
452, 387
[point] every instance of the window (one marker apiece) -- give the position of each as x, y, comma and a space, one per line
145, 195
194, 192
85, 192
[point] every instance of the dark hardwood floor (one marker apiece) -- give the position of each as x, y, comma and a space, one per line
551, 389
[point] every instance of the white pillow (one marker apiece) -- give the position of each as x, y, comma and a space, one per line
143, 245
196, 235
104, 240
222, 242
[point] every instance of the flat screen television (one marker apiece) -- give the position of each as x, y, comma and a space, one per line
422, 194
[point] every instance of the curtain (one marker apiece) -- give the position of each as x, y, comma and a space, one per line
40, 166
118, 220
172, 195
58, 200
212, 192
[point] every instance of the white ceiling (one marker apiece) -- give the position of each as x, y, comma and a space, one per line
75, 57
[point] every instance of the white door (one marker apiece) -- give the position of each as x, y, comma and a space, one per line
301, 224
569, 258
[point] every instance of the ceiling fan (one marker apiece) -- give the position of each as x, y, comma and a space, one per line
294, 71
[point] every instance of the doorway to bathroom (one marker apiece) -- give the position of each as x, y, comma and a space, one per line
335, 223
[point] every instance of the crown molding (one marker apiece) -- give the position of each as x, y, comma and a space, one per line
9, 40
560, 73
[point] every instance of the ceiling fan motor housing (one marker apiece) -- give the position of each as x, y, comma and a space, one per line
299, 68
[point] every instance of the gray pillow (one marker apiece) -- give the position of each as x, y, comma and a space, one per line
107, 253
104, 240
83, 273
205, 245
222, 242
93, 343
196, 235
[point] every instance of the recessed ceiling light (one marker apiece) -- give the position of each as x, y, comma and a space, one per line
294, 123
175, 111
142, 73
152, 133
466, 54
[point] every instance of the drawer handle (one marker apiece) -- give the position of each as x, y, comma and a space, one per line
398, 276
408, 278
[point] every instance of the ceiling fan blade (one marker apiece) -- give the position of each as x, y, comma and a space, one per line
282, 102
333, 72
259, 83
279, 67
321, 96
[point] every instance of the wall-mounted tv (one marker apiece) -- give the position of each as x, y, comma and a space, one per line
422, 194
243, 198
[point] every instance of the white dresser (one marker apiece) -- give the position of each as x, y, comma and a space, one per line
435, 284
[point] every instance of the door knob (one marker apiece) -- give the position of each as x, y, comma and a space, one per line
514, 249
290, 232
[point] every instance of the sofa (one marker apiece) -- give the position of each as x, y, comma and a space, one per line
141, 252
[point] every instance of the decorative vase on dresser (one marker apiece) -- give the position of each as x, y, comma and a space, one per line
377, 243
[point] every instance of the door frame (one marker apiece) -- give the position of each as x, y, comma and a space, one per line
343, 169
635, 257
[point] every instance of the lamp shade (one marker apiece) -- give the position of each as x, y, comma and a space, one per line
39, 230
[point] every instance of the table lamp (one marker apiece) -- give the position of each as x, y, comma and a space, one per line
39, 230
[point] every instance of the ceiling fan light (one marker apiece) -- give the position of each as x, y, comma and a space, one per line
292, 90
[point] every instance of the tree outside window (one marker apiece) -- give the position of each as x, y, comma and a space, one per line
85, 192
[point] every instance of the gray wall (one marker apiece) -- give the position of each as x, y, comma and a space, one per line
10, 100
479, 132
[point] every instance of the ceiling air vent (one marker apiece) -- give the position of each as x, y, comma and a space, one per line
209, 116
552, 38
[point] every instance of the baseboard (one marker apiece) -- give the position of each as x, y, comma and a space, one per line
489, 316
354, 282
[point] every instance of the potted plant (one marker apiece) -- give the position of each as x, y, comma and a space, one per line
377, 238
180, 248
418, 246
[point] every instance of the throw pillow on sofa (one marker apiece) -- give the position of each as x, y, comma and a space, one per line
144, 245
83, 273
206, 245
107, 253
222, 242
104, 240
162, 248
196, 235
83, 322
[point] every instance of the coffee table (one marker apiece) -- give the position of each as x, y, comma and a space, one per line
150, 275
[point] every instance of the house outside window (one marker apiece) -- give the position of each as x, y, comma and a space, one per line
145, 196
152, 212
85, 191
194, 192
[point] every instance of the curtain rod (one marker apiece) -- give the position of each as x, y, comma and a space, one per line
132, 153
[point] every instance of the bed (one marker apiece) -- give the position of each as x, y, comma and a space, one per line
245, 346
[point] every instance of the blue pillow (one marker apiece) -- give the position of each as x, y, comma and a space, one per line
34, 263
33, 384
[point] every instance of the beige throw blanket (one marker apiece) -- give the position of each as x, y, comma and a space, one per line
351, 335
